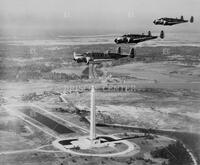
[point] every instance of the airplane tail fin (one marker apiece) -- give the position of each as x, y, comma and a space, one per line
182, 18
162, 34
149, 33
191, 19
132, 53
119, 50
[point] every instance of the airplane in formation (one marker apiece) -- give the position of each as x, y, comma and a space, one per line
172, 21
101, 57
137, 38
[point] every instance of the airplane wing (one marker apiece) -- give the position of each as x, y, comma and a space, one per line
142, 39
173, 23
102, 60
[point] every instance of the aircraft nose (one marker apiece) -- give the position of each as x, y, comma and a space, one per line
156, 21
117, 40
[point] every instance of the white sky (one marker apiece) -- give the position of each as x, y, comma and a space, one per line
94, 15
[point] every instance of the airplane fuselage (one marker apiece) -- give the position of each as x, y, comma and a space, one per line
100, 56
134, 38
169, 21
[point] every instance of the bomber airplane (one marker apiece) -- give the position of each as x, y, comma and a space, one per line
136, 38
101, 57
172, 21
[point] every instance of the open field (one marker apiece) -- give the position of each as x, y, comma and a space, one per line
169, 77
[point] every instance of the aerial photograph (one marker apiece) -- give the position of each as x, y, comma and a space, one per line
99, 82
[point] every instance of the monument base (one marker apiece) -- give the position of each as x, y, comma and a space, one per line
87, 143
104, 145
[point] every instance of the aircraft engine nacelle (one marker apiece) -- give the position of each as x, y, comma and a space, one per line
88, 59
79, 60
160, 22
121, 40
164, 22
156, 21
125, 39
129, 40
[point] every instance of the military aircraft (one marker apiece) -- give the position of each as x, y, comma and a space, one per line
172, 21
136, 38
97, 57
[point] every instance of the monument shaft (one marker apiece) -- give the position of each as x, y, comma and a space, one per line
92, 115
